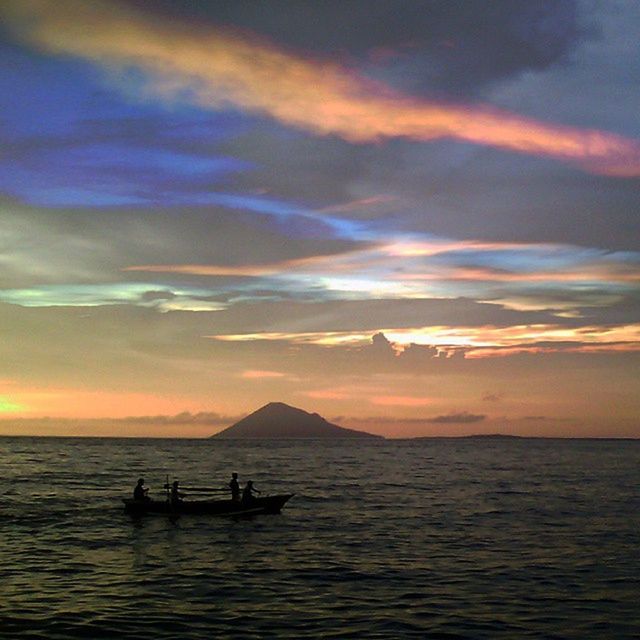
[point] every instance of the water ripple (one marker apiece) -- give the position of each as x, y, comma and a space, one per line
521, 539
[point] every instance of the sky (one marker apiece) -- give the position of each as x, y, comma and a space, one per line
416, 218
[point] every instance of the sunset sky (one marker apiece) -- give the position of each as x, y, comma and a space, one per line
412, 217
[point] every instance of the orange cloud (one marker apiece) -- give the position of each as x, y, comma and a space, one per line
602, 273
256, 374
215, 68
480, 341
502, 352
246, 270
358, 205
400, 401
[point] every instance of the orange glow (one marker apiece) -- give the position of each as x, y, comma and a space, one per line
83, 403
328, 394
216, 68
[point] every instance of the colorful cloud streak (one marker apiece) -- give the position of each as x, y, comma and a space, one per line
518, 275
472, 342
215, 68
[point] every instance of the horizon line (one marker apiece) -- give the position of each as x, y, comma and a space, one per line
507, 436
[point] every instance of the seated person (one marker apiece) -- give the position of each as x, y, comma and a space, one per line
247, 493
140, 492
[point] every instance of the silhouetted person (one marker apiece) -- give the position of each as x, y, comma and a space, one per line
176, 494
248, 491
140, 492
235, 487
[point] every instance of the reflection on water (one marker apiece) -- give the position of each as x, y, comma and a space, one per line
437, 538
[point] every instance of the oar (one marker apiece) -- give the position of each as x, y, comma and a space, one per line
202, 489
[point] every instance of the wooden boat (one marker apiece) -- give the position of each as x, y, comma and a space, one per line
267, 504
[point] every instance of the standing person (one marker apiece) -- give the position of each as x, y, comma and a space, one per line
247, 493
235, 487
140, 492
176, 494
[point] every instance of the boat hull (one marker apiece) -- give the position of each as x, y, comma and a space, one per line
268, 504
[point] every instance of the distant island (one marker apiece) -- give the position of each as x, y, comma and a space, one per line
475, 436
279, 420
493, 436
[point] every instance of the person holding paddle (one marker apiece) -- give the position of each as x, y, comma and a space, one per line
247, 493
176, 494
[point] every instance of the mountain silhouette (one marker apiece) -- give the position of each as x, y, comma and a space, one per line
279, 420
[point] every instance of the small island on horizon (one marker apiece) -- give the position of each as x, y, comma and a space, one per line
280, 420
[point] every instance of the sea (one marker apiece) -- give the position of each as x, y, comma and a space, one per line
428, 538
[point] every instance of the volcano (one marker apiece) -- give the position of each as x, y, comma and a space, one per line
279, 420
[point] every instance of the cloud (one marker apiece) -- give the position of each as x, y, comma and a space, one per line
540, 349
416, 46
492, 397
259, 374
183, 418
450, 418
473, 342
98, 246
185, 424
216, 68
403, 266
457, 418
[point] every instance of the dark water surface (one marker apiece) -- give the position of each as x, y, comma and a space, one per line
472, 538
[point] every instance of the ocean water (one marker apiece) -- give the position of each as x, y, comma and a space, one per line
437, 538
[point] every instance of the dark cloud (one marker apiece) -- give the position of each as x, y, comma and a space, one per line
419, 353
84, 246
202, 417
294, 166
149, 296
457, 418
435, 47
380, 344
467, 192
88, 426
452, 418
371, 315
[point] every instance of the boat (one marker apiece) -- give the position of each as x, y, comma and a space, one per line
259, 505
